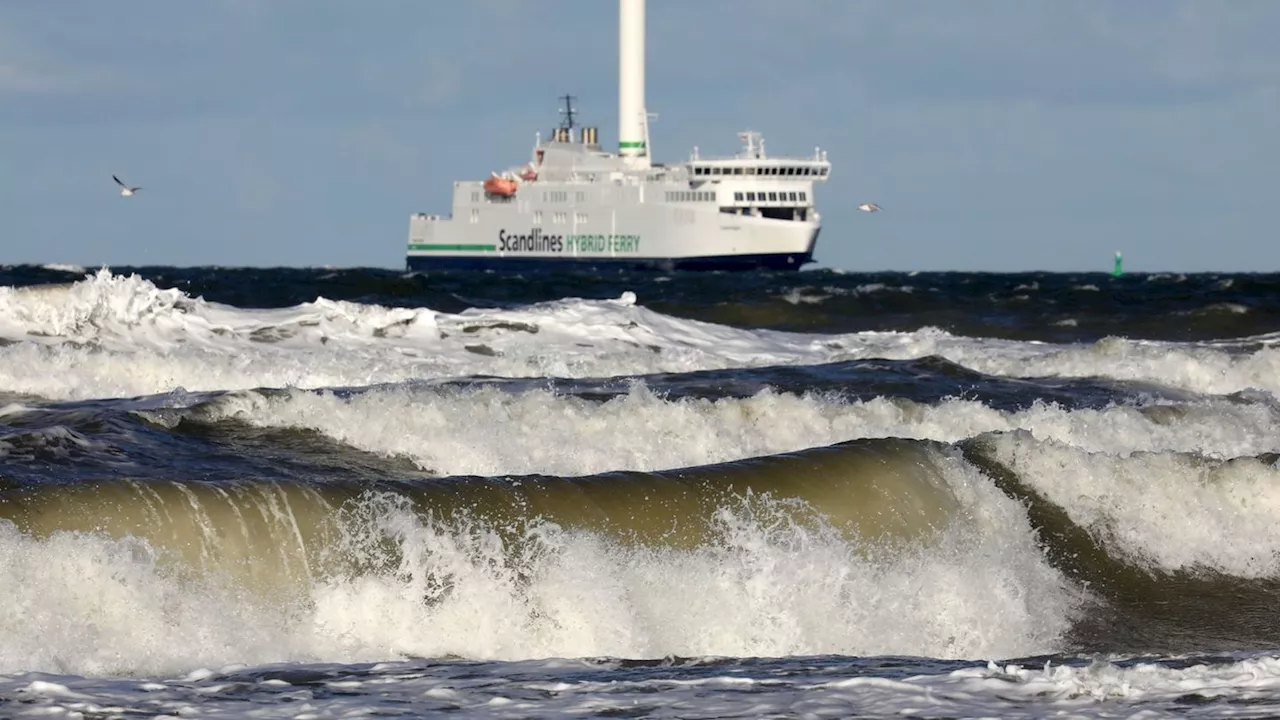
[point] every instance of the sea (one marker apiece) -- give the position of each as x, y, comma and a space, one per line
340, 493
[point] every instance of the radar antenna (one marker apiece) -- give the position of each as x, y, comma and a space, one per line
567, 111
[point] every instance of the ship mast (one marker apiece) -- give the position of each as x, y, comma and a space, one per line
633, 120
568, 112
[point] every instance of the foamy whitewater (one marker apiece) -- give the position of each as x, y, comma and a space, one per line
314, 494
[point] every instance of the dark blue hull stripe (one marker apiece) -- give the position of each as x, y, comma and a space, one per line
772, 261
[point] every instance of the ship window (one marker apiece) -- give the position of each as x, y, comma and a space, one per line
751, 197
803, 197
773, 197
792, 197
537, 217
737, 197
475, 215
737, 171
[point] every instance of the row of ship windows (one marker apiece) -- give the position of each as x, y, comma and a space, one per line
562, 196
547, 196
683, 196
690, 196
696, 196
556, 217
771, 197
787, 171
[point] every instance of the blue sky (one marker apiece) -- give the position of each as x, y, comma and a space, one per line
997, 134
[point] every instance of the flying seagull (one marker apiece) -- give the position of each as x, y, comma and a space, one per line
125, 190
868, 207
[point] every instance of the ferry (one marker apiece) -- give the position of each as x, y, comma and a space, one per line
574, 204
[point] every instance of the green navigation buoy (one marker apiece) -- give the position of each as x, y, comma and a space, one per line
1119, 265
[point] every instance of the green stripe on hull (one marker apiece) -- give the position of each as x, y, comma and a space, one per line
433, 247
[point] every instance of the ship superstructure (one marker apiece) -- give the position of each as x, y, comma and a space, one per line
575, 204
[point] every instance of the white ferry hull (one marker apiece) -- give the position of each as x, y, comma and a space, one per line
663, 237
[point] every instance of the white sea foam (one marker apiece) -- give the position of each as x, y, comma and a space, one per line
112, 336
1166, 511
85, 604
486, 431
63, 267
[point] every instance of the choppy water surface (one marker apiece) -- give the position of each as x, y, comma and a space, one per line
311, 493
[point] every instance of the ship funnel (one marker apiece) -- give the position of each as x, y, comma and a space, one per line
631, 110
589, 136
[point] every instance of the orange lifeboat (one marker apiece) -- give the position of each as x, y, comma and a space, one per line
500, 186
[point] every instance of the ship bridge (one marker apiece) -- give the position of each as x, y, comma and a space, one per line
753, 162
752, 183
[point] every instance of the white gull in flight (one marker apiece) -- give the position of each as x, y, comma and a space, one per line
868, 207
125, 190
